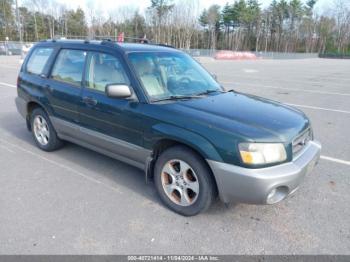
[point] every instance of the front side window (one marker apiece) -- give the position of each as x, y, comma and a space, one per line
69, 66
104, 69
168, 74
38, 60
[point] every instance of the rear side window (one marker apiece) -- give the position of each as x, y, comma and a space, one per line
38, 59
69, 66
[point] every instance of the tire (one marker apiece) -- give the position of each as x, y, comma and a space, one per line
43, 132
184, 182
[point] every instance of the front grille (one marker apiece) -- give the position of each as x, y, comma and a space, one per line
301, 141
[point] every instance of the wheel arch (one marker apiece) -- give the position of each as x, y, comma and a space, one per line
164, 134
167, 136
166, 143
31, 105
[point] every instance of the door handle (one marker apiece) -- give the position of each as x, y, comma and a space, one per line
90, 101
50, 88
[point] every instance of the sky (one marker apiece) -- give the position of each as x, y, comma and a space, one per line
106, 5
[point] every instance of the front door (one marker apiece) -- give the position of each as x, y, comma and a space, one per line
109, 123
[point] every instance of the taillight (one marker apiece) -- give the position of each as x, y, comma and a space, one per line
18, 81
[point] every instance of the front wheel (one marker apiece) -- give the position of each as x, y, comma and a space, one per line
183, 181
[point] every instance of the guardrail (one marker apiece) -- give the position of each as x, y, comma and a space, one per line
264, 55
335, 55
283, 55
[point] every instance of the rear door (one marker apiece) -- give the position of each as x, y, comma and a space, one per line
64, 86
34, 72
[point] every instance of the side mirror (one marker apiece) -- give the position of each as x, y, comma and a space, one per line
215, 77
118, 91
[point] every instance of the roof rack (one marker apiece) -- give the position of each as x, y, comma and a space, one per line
54, 39
164, 45
112, 42
142, 40
108, 41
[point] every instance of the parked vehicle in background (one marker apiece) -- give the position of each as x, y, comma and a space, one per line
3, 49
10, 48
26, 47
156, 108
14, 48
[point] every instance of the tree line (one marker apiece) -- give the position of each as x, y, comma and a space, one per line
283, 26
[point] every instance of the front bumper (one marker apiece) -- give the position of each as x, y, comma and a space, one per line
264, 185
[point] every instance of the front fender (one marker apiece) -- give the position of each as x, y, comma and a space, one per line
162, 131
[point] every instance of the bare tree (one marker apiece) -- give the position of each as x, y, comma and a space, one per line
183, 22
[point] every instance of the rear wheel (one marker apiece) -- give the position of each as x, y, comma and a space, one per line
43, 132
184, 181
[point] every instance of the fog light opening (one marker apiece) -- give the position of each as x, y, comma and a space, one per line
277, 194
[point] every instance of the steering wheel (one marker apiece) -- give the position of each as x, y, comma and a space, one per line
184, 80
178, 86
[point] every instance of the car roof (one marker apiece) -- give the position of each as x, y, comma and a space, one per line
133, 47
124, 47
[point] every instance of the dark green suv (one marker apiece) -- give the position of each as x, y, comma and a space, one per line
156, 108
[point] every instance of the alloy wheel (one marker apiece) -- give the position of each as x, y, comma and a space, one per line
41, 130
180, 182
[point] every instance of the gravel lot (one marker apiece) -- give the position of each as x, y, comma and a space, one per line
76, 201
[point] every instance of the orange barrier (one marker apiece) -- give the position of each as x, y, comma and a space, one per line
234, 55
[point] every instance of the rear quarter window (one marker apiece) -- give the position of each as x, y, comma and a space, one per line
38, 60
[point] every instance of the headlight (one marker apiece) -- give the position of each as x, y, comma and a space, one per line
262, 153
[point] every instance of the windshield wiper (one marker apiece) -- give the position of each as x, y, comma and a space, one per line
209, 91
177, 97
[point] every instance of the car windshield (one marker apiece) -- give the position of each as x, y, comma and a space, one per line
172, 75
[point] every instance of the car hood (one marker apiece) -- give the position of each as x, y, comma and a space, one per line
253, 118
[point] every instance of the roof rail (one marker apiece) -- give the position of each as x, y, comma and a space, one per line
112, 42
142, 40
48, 40
164, 45
108, 42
